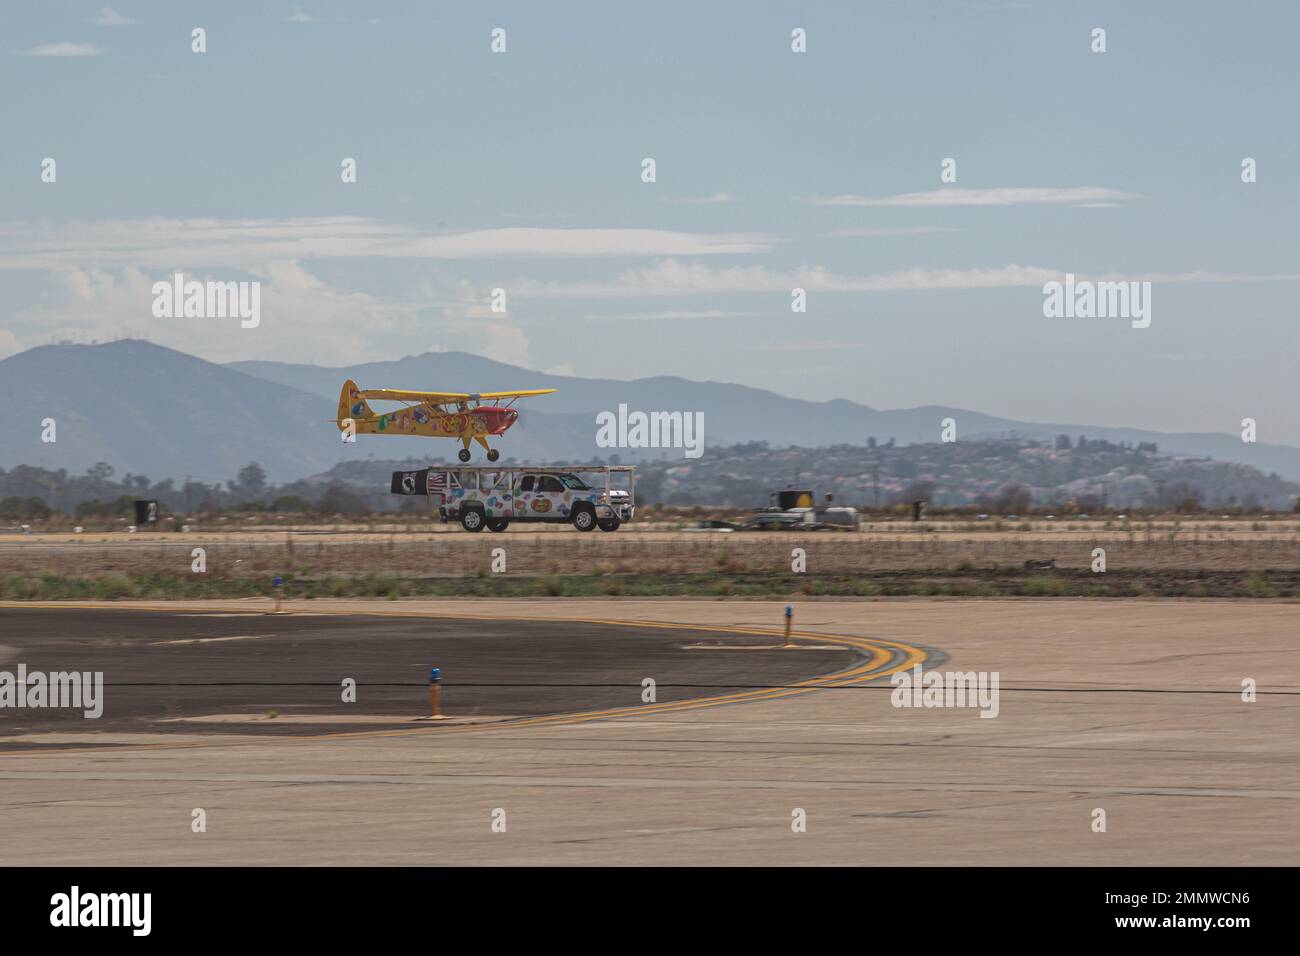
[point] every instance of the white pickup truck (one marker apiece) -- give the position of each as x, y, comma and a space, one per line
496, 497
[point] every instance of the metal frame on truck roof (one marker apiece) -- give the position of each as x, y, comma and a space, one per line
537, 469
495, 473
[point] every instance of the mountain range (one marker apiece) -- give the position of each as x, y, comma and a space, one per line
151, 410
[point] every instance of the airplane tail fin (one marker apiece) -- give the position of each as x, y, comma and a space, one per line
352, 404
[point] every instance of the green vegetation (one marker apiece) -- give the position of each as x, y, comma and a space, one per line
992, 582
1005, 479
1043, 586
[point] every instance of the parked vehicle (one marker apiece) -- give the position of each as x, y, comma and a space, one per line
494, 498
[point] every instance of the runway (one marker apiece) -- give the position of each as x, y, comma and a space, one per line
1130, 707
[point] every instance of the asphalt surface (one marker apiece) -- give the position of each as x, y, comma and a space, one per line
169, 671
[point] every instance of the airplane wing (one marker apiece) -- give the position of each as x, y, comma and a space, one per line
523, 394
402, 395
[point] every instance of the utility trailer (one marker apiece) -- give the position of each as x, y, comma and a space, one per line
793, 509
495, 497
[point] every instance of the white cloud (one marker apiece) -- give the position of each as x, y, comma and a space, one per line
301, 316
63, 49
505, 343
1179, 278
674, 278
717, 199
300, 16
582, 243
188, 243
9, 344
670, 315
804, 346
880, 233
108, 17
1002, 196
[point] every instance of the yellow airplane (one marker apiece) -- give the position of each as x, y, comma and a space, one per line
458, 415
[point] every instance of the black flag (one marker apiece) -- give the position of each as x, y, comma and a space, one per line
411, 482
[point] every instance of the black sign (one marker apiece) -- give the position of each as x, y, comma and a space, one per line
411, 482
146, 512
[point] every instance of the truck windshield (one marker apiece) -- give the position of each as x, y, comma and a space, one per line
574, 482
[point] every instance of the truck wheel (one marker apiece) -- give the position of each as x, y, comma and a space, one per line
584, 519
498, 524
608, 524
471, 519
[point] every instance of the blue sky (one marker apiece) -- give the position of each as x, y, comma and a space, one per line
774, 169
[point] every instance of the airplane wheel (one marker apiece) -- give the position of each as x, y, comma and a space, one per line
493, 454
471, 519
498, 524
608, 524
463, 454
584, 519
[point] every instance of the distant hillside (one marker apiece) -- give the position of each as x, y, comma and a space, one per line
997, 475
994, 475
153, 411
565, 422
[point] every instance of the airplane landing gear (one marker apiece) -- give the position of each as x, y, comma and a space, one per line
463, 454
493, 454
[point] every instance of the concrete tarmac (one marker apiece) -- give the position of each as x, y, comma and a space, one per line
1132, 707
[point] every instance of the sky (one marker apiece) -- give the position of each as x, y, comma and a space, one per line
774, 170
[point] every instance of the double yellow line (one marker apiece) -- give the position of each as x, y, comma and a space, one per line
883, 659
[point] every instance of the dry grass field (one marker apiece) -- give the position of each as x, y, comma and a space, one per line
446, 550
1225, 558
